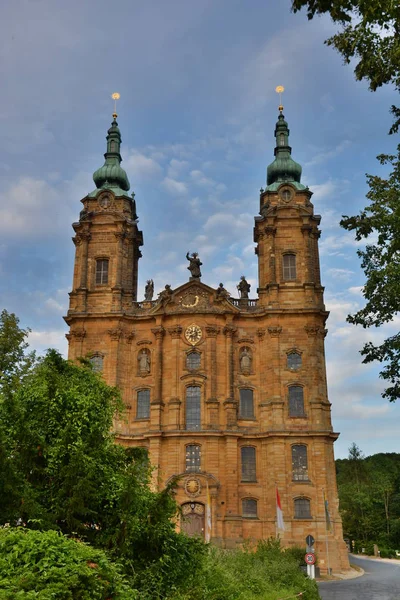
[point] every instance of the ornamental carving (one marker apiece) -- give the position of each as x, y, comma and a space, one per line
79, 335
115, 334
106, 200
274, 331
192, 487
261, 333
229, 330
193, 299
129, 335
212, 330
313, 330
159, 332
175, 331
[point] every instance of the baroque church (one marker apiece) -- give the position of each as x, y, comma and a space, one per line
228, 395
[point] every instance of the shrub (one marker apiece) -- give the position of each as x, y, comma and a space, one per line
48, 566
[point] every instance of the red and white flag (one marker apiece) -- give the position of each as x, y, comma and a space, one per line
279, 514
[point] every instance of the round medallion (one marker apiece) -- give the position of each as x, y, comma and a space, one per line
286, 194
192, 487
193, 334
105, 200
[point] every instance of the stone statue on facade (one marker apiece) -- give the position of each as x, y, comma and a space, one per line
221, 292
165, 296
149, 290
194, 265
144, 362
245, 359
243, 287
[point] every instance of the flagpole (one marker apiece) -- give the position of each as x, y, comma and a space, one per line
326, 532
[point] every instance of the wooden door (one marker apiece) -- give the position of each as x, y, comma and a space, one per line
192, 520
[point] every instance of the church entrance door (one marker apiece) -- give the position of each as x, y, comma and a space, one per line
192, 521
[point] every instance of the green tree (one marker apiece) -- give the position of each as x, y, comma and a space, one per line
370, 34
70, 475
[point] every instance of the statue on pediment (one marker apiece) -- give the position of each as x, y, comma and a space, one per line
243, 287
149, 290
194, 265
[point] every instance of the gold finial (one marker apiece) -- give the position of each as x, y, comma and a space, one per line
115, 96
279, 89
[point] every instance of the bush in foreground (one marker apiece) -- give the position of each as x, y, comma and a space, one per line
268, 573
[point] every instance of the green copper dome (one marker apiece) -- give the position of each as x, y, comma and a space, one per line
111, 175
283, 169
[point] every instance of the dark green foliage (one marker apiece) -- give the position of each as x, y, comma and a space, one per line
370, 34
381, 264
267, 573
47, 566
369, 495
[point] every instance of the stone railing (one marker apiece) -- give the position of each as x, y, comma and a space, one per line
248, 304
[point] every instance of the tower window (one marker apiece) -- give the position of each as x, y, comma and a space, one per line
249, 508
193, 361
299, 463
97, 362
113, 146
296, 401
102, 271
143, 404
248, 456
246, 406
193, 458
289, 267
193, 413
294, 361
281, 139
302, 509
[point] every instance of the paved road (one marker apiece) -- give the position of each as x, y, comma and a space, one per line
380, 582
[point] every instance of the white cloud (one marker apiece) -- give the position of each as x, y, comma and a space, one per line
43, 340
142, 166
340, 274
172, 186
323, 156
176, 167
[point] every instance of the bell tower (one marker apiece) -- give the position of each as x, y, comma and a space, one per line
107, 241
286, 233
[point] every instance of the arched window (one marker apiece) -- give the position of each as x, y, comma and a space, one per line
299, 463
246, 404
249, 508
289, 267
97, 362
281, 139
113, 146
296, 401
302, 508
102, 271
294, 361
248, 456
193, 412
193, 458
143, 404
193, 361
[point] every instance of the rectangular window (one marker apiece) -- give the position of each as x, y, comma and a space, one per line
193, 457
102, 271
249, 508
289, 267
299, 463
97, 363
193, 414
143, 404
246, 406
248, 456
302, 508
296, 401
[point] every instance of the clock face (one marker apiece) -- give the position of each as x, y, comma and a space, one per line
193, 334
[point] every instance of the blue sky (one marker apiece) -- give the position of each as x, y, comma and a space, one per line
197, 115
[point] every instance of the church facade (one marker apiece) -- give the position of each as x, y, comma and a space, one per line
228, 395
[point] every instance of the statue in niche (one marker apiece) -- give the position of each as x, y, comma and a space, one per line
243, 287
194, 265
245, 359
165, 296
144, 362
221, 292
149, 290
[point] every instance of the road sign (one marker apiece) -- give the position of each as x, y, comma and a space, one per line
310, 540
310, 558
